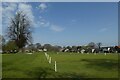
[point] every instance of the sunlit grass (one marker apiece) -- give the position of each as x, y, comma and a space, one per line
68, 65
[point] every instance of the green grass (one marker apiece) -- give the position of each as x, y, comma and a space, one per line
68, 65
0, 66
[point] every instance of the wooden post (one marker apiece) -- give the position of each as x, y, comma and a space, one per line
50, 60
45, 54
55, 67
47, 57
105, 53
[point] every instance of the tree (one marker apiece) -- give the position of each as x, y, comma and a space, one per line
38, 45
20, 30
48, 47
2, 41
56, 48
31, 47
99, 45
68, 47
91, 45
79, 48
10, 46
74, 48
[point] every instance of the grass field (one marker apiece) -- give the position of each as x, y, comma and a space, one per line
68, 65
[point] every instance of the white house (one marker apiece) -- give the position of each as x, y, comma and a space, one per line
82, 51
0, 51
40, 50
44, 50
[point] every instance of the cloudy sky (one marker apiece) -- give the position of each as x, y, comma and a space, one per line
60, 23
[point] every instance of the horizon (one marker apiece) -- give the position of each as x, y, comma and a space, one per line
68, 24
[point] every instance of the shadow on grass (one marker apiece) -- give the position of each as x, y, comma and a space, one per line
49, 73
45, 72
70, 75
102, 63
40, 72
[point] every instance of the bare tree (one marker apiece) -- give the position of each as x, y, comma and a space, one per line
0, 42
38, 45
99, 45
91, 45
20, 30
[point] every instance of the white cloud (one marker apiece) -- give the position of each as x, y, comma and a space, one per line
8, 12
106, 27
43, 24
11, 0
25, 0
60, 0
103, 29
27, 9
56, 28
46, 24
42, 7
9, 9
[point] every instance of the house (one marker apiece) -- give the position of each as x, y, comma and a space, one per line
0, 51
66, 50
82, 51
108, 49
117, 48
40, 50
44, 50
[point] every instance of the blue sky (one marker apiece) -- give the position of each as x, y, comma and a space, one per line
65, 23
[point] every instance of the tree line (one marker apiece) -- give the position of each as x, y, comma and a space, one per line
11, 47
